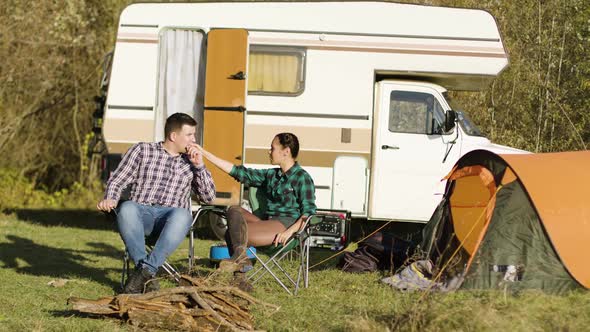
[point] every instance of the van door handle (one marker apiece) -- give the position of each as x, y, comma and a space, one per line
240, 76
386, 147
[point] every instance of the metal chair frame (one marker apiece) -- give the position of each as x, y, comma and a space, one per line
300, 240
303, 244
167, 267
200, 210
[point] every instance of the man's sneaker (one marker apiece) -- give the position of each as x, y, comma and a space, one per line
152, 285
136, 282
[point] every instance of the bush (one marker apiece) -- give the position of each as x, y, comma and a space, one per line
17, 192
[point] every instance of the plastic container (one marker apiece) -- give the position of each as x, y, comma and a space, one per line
219, 251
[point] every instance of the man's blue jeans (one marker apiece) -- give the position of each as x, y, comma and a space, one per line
138, 221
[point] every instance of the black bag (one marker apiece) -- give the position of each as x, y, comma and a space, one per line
361, 260
381, 251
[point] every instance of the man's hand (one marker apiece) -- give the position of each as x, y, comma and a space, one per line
106, 205
195, 154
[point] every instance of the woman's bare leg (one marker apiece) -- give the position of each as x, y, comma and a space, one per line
261, 232
249, 217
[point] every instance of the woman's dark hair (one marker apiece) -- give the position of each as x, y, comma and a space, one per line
288, 140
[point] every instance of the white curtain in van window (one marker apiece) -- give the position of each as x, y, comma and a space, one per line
274, 72
179, 77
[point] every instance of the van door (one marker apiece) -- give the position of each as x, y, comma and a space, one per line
225, 103
410, 153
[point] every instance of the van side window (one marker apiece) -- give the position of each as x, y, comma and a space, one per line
276, 70
415, 113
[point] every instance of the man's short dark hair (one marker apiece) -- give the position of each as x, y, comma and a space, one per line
176, 121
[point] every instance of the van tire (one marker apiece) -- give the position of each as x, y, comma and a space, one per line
211, 226
217, 225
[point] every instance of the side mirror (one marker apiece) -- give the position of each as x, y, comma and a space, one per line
450, 118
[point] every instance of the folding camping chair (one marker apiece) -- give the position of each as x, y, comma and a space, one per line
150, 242
167, 267
200, 210
300, 243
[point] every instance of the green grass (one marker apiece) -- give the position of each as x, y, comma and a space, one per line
37, 247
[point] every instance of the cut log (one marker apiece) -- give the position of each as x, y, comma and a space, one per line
169, 319
99, 307
187, 308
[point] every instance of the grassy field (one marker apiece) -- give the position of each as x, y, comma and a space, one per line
81, 249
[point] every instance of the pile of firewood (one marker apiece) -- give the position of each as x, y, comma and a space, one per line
196, 307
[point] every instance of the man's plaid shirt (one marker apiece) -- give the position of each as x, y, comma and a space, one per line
289, 195
157, 178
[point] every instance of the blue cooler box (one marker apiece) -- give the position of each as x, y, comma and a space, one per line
220, 251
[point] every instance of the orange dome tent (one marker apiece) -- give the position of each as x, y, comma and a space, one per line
516, 221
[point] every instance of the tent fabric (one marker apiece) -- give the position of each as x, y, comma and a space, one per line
473, 201
516, 237
513, 221
559, 186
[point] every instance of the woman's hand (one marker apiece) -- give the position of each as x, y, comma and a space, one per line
283, 237
195, 154
224, 165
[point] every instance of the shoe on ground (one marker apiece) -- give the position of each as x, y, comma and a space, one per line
241, 265
152, 285
136, 284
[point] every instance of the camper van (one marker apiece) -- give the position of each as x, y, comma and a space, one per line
362, 84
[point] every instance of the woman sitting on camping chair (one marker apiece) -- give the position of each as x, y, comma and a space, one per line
290, 196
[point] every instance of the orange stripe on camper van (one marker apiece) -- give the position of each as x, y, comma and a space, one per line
558, 185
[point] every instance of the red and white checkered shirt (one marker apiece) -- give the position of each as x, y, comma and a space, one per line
157, 178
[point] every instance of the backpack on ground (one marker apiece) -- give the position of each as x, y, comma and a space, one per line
381, 251
364, 259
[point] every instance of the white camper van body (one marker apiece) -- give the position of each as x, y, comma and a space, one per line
355, 60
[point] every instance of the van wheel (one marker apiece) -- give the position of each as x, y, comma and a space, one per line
217, 225
211, 226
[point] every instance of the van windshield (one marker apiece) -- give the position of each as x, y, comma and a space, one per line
468, 126
464, 121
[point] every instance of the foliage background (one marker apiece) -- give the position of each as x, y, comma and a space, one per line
52, 53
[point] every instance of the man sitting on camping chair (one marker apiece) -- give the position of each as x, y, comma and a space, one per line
290, 195
161, 177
